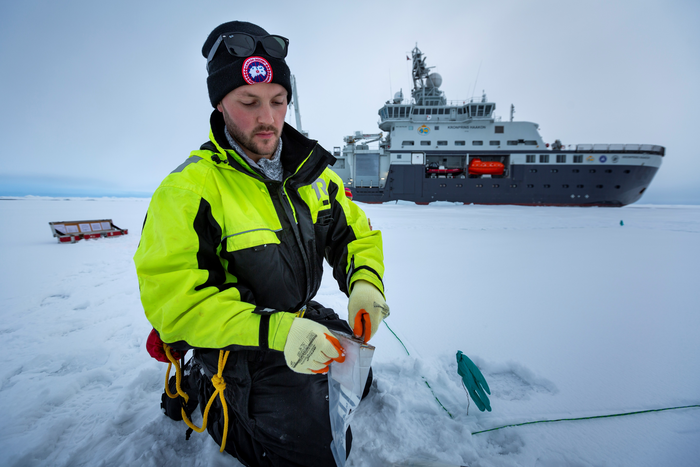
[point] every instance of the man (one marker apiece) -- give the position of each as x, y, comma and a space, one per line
231, 256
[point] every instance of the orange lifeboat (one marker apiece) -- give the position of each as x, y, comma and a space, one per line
479, 167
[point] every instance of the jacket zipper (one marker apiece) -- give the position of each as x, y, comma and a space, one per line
291, 216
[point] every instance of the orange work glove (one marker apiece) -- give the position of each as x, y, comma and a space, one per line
311, 347
366, 309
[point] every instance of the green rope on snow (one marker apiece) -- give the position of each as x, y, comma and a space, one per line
424, 380
586, 418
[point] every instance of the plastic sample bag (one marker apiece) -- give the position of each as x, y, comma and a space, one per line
346, 381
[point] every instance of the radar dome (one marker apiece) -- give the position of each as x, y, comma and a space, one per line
398, 97
434, 80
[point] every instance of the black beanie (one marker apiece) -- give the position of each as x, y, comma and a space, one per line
226, 70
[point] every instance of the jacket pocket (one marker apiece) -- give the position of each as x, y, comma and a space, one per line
254, 238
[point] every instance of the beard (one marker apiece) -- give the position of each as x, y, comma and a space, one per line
254, 150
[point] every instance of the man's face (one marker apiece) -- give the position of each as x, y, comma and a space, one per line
254, 115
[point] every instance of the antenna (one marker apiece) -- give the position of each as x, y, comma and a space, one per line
391, 94
477, 78
295, 101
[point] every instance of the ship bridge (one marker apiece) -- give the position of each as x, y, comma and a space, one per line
392, 113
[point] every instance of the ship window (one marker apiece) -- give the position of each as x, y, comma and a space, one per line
554, 171
480, 111
544, 158
627, 171
579, 186
398, 156
530, 186
479, 186
441, 111
477, 143
443, 185
530, 142
459, 143
495, 185
499, 128
442, 143
459, 185
514, 186
421, 111
425, 143
599, 186
407, 143
578, 159
575, 170
494, 143
592, 171
617, 187
437, 127
410, 128
561, 158
488, 110
459, 111
530, 158
565, 186
548, 186
534, 171
428, 111
608, 171
512, 142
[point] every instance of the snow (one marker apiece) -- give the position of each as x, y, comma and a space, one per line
567, 313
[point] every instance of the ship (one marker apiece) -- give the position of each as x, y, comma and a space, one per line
430, 149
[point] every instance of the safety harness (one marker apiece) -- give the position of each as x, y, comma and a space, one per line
219, 385
217, 380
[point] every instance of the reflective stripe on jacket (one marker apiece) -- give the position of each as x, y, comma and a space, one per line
226, 253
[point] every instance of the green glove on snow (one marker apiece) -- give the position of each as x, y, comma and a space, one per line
474, 381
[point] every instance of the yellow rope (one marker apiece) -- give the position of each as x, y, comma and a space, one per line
219, 385
178, 374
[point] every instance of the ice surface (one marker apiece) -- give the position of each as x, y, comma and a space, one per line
566, 312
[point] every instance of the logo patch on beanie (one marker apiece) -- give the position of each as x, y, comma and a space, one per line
257, 70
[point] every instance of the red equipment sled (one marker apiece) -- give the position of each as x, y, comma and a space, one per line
72, 231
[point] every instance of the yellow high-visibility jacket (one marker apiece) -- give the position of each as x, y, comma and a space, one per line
227, 256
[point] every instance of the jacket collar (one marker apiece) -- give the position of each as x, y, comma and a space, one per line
303, 159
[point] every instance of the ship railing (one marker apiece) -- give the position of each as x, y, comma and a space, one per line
638, 148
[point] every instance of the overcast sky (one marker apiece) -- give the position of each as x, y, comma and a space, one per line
112, 96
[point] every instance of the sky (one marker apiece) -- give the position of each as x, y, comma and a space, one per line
109, 97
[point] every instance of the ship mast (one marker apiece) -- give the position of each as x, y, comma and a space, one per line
425, 84
295, 102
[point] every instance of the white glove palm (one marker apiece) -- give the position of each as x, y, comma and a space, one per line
366, 309
311, 347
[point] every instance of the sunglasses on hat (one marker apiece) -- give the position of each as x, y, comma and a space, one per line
240, 44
